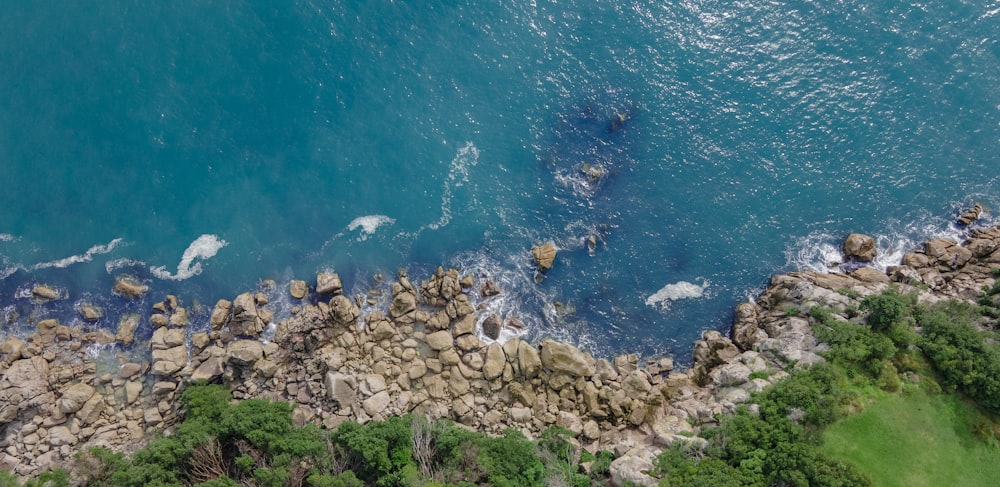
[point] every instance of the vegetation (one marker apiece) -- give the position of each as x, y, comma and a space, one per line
254, 442
858, 419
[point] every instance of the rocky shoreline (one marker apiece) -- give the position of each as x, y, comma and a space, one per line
424, 355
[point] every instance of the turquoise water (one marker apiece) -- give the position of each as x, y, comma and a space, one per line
207, 146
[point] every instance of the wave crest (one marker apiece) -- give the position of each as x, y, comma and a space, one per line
675, 291
204, 247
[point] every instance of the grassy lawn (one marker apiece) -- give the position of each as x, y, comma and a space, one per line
916, 440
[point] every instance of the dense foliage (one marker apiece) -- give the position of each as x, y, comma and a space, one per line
255, 442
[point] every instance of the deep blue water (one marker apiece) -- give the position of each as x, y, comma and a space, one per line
206, 146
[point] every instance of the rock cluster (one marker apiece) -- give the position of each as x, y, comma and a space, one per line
431, 352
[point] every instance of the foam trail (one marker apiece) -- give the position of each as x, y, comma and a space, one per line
6, 237
458, 174
115, 264
204, 247
76, 259
675, 291
368, 224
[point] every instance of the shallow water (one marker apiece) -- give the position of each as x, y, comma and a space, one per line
203, 148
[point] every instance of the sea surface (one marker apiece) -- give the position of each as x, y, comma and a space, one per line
677, 153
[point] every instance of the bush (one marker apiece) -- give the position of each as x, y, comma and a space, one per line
884, 309
960, 353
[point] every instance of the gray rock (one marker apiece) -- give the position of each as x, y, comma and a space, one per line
61, 435
545, 255
634, 469
440, 340
491, 326
245, 352
44, 292
130, 287
565, 358
377, 403
342, 388
74, 397
495, 361
126, 329
328, 283
298, 289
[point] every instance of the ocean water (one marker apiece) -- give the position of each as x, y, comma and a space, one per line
677, 153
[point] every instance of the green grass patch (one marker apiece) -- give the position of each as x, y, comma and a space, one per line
915, 439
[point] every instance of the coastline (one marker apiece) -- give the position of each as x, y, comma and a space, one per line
424, 355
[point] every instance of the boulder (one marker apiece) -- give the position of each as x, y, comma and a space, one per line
565, 358
495, 361
298, 289
343, 311
859, 247
491, 326
529, 362
169, 361
245, 352
90, 312
126, 329
220, 313
403, 304
871, 275
465, 325
74, 397
545, 255
246, 320
971, 215
328, 283
634, 469
440, 340
42, 291
61, 435
377, 403
130, 287
341, 388
26, 382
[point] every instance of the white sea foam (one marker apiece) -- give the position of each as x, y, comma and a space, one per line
369, 224
519, 296
204, 247
115, 264
675, 291
458, 174
821, 251
6, 237
76, 259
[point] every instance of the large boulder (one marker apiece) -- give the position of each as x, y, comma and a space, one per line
126, 329
565, 358
74, 397
245, 352
859, 247
342, 388
495, 361
130, 287
632, 469
343, 311
328, 283
545, 255
491, 326
246, 320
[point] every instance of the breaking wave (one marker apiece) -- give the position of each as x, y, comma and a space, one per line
203, 248
678, 290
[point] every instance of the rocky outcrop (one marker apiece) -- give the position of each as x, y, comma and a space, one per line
421, 354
